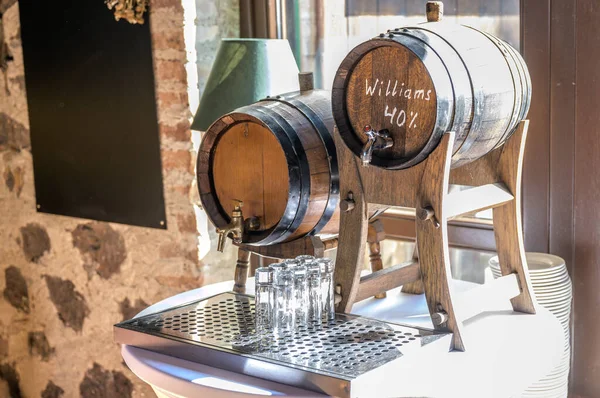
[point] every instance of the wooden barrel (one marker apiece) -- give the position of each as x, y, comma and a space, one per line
278, 157
420, 82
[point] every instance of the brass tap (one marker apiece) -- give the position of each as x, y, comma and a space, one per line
235, 228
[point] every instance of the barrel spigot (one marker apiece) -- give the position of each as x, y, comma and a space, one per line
235, 228
375, 140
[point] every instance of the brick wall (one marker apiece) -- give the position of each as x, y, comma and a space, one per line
65, 281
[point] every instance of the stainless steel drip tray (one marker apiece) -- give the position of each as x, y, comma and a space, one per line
332, 358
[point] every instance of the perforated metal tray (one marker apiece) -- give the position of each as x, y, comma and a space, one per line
219, 331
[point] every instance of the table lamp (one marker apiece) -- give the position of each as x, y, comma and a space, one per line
245, 71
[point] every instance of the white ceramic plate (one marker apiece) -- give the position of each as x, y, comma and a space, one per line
566, 301
566, 291
537, 277
557, 308
563, 274
537, 262
554, 284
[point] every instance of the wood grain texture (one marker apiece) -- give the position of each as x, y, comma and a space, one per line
241, 270
250, 165
535, 46
278, 157
480, 172
496, 178
562, 130
375, 235
586, 272
387, 279
507, 220
423, 80
415, 287
353, 232
434, 257
310, 245
385, 79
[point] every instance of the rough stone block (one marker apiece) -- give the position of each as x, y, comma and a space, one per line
9, 374
52, 391
101, 383
70, 304
16, 292
13, 135
39, 345
129, 311
102, 248
35, 241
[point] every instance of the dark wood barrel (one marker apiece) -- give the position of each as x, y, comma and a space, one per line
278, 157
422, 81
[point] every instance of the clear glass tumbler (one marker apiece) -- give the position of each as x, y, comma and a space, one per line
305, 259
327, 290
300, 295
283, 287
314, 293
293, 262
263, 300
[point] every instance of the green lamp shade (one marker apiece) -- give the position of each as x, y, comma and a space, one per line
245, 71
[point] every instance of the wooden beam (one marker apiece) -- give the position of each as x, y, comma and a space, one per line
476, 199
387, 279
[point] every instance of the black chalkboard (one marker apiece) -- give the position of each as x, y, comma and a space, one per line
92, 111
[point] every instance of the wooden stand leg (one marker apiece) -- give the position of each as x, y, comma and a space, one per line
507, 221
352, 236
432, 239
374, 237
415, 287
241, 270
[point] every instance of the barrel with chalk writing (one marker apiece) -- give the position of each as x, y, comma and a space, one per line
395, 96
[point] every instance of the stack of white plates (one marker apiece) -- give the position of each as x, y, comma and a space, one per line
553, 290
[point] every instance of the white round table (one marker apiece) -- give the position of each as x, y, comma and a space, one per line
505, 353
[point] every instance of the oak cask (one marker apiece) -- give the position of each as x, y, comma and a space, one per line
421, 81
278, 157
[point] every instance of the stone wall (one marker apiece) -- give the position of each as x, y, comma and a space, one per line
65, 281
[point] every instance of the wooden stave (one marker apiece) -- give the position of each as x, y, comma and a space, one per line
463, 153
463, 95
295, 210
315, 107
486, 122
318, 112
520, 76
268, 110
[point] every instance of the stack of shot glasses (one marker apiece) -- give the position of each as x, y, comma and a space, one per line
293, 295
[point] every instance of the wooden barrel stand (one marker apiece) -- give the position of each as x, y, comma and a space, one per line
494, 182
